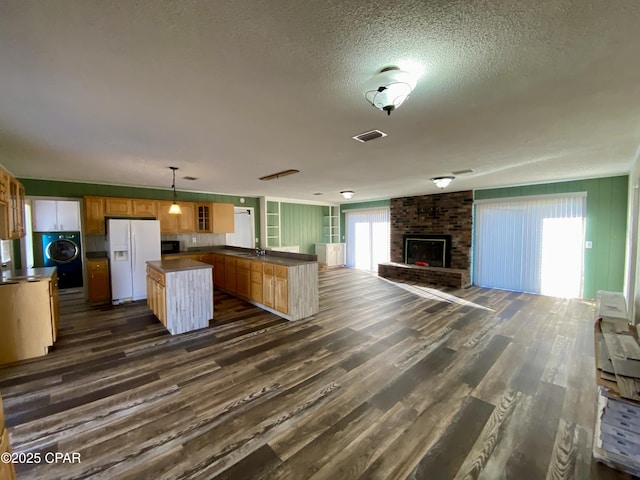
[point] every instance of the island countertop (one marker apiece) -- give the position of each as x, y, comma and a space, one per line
178, 265
285, 261
26, 275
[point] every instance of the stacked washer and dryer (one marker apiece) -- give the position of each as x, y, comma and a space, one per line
56, 228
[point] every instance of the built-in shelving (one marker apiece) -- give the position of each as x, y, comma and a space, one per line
331, 227
273, 224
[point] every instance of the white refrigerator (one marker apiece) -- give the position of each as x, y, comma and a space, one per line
131, 243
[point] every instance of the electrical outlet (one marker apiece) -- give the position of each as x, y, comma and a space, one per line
588, 244
194, 239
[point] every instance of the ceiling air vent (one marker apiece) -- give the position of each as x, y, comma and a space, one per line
283, 173
462, 172
370, 135
189, 178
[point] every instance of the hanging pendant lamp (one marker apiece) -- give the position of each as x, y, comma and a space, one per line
175, 208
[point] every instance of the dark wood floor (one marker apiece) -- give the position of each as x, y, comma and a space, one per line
386, 382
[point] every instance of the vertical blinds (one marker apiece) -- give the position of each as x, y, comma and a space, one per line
527, 244
367, 238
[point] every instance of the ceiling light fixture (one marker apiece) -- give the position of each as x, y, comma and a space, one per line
442, 182
389, 88
347, 194
175, 208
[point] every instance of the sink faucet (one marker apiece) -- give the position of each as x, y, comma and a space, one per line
260, 253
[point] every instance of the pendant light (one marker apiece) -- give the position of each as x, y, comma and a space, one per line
175, 208
389, 89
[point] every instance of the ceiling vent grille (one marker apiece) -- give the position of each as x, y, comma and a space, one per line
368, 136
189, 178
462, 172
283, 173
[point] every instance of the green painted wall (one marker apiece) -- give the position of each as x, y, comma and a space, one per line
606, 225
302, 225
358, 206
52, 188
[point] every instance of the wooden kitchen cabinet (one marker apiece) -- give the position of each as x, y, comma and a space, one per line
144, 208
93, 210
4, 186
7, 470
203, 217
243, 277
222, 215
54, 306
157, 294
98, 280
230, 274
219, 271
118, 207
171, 223
256, 282
281, 294
16, 208
268, 286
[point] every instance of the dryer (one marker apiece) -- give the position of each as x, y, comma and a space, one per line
62, 250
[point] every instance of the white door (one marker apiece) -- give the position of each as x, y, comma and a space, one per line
44, 216
68, 216
243, 235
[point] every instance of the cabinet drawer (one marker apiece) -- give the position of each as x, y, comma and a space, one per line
256, 277
243, 263
96, 264
268, 269
156, 275
281, 272
257, 267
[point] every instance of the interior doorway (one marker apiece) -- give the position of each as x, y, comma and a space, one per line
244, 228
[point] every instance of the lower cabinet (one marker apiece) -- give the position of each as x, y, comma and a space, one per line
156, 294
256, 282
281, 293
268, 286
230, 274
330, 254
243, 277
98, 280
7, 471
218, 271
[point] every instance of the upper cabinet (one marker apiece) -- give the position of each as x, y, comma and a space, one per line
222, 215
11, 207
195, 217
144, 208
118, 207
56, 216
94, 215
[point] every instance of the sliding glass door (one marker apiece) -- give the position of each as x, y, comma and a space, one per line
367, 238
531, 244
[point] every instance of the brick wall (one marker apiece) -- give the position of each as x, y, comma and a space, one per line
444, 213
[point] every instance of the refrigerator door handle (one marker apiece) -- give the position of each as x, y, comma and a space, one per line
133, 250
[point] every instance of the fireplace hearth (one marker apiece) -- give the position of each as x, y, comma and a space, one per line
434, 250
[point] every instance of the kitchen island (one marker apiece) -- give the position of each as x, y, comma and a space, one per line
282, 283
28, 313
180, 293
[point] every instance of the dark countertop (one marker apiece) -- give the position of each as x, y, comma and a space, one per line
95, 254
8, 277
277, 258
177, 265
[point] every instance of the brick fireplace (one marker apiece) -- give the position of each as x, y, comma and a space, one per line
448, 215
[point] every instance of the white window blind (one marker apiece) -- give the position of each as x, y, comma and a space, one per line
367, 238
531, 244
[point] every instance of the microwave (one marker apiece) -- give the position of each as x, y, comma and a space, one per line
169, 246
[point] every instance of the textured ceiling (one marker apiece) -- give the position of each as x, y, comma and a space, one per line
117, 91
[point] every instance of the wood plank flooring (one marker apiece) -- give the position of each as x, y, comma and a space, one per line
388, 381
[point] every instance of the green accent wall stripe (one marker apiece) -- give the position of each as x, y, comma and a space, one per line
606, 225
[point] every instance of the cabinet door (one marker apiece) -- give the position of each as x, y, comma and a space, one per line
55, 307
98, 280
168, 221
187, 221
281, 289
118, 207
230, 274
44, 216
4, 186
268, 287
222, 217
243, 282
203, 221
67, 214
94, 216
144, 208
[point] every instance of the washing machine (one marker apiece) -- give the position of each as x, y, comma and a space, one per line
62, 250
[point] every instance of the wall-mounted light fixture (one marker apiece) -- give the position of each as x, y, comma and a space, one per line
347, 194
442, 182
175, 208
